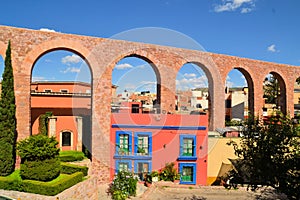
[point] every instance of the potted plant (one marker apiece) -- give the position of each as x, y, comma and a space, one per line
148, 180
141, 151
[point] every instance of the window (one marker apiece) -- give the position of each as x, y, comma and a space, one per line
187, 173
123, 145
143, 143
135, 108
66, 138
123, 142
123, 165
141, 169
187, 147
64, 91
47, 90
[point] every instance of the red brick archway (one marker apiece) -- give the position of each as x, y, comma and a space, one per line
102, 55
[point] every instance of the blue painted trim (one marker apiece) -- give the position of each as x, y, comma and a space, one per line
132, 157
187, 136
149, 134
118, 133
159, 127
190, 158
129, 162
194, 165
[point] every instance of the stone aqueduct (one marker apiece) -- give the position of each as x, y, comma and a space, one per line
103, 54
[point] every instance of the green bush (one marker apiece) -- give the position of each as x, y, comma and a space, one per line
9, 183
45, 170
123, 186
70, 156
49, 188
67, 168
37, 147
169, 173
45, 188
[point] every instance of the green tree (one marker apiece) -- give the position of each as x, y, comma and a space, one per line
43, 123
271, 154
271, 90
7, 118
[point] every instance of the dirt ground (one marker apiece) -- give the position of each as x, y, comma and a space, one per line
165, 192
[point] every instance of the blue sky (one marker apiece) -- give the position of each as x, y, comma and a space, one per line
266, 30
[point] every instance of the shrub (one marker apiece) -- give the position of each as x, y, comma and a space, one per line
8, 183
39, 158
43, 123
169, 173
45, 170
67, 168
70, 156
123, 186
37, 147
51, 188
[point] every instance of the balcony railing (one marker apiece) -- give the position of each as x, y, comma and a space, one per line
33, 93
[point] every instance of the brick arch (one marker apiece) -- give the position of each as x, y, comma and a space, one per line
53, 45
215, 86
283, 90
250, 83
30, 59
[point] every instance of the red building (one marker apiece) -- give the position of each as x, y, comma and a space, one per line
142, 143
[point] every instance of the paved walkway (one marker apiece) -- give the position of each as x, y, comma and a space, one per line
171, 191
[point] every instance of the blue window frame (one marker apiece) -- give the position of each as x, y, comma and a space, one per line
123, 143
188, 173
143, 143
142, 167
188, 145
123, 165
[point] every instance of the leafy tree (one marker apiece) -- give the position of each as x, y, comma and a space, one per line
39, 158
271, 154
271, 90
7, 118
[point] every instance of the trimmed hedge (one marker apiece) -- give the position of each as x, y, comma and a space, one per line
8, 183
51, 189
67, 168
71, 156
44, 170
38, 187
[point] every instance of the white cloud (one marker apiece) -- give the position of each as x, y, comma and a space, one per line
148, 83
71, 59
47, 30
191, 75
70, 70
232, 5
38, 78
123, 66
272, 48
192, 83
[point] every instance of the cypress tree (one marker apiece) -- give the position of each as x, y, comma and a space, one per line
7, 118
